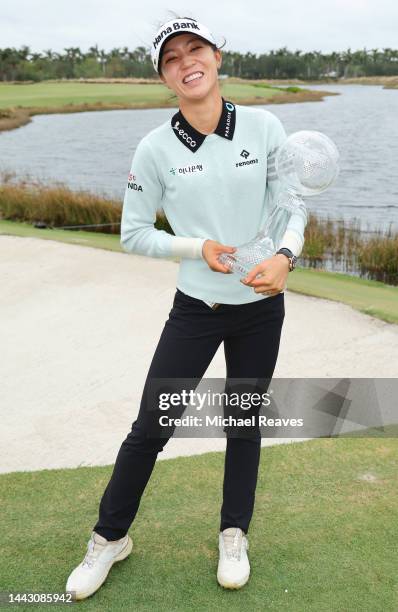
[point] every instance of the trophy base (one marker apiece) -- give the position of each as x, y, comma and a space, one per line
249, 255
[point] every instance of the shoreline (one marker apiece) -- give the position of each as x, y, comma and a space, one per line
13, 117
369, 80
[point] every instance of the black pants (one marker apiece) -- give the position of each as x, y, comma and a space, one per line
190, 338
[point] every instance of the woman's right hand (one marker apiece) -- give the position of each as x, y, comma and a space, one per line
211, 250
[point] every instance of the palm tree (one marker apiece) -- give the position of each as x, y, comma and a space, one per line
9, 60
103, 58
93, 52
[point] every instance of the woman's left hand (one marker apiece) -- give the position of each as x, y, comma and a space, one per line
275, 271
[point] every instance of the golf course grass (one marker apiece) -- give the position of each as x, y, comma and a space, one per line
322, 538
370, 297
18, 102
50, 94
59, 94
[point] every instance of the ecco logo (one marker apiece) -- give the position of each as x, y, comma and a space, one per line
184, 135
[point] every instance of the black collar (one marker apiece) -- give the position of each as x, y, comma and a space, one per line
192, 139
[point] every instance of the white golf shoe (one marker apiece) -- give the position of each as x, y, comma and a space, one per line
233, 565
101, 554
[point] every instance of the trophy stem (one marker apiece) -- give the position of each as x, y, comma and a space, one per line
305, 164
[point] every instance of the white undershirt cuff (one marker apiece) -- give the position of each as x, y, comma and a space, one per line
293, 241
188, 247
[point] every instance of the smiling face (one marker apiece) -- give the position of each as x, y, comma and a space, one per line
189, 66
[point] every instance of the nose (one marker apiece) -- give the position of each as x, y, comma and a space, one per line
187, 61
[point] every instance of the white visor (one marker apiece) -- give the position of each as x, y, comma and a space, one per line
177, 26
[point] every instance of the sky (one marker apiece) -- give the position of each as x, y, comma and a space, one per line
253, 25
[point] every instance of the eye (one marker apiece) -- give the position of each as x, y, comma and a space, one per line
192, 49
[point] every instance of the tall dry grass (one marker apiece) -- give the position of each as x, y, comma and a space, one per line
58, 206
332, 241
378, 258
325, 239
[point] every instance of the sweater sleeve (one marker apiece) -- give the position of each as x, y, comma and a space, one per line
142, 199
293, 237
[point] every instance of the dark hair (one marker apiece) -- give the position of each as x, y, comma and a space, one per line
175, 16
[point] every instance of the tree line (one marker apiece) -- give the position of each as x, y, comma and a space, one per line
24, 65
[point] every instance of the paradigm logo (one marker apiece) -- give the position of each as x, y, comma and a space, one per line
184, 135
230, 107
132, 184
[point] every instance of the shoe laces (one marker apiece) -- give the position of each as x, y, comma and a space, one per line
233, 544
93, 550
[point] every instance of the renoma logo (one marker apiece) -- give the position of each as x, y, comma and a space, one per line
246, 154
230, 107
184, 135
132, 184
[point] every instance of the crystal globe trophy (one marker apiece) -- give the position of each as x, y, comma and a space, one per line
306, 164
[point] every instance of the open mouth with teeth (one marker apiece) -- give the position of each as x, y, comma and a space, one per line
194, 76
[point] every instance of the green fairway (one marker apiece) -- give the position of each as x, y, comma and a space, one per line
246, 90
59, 94
322, 538
48, 94
369, 297
110, 242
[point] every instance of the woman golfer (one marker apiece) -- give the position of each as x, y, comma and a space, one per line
207, 168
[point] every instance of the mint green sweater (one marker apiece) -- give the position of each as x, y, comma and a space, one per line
212, 186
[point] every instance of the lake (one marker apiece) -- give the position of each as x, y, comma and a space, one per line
93, 150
